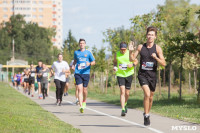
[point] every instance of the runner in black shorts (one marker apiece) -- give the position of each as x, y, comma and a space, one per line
32, 72
150, 54
124, 72
26, 80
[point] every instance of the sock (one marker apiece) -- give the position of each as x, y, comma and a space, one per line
76, 99
125, 103
146, 115
84, 101
123, 108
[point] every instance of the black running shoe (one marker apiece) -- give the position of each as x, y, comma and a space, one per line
29, 93
146, 120
123, 113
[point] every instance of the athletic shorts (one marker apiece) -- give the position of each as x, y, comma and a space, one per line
31, 80
82, 79
18, 82
67, 80
26, 80
146, 80
125, 81
44, 85
38, 79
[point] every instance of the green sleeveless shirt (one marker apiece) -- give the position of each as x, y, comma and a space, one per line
122, 65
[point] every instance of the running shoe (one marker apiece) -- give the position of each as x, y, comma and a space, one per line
146, 120
60, 104
66, 94
123, 113
84, 105
77, 102
29, 93
81, 110
126, 109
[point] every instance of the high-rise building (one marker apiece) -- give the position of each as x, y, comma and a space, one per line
47, 13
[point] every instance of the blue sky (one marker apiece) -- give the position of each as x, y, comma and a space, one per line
88, 19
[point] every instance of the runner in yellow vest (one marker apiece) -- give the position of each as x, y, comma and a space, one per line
124, 71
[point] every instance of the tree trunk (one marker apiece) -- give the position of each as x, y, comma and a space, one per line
195, 79
169, 87
103, 85
190, 81
164, 77
181, 69
106, 81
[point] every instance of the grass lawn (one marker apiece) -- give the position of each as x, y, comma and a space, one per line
187, 109
18, 114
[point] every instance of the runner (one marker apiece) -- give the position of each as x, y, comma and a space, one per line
124, 72
60, 67
44, 75
18, 80
15, 80
38, 68
67, 84
76, 91
26, 80
83, 59
150, 54
32, 75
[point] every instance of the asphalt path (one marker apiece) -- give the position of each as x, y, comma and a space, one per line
100, 117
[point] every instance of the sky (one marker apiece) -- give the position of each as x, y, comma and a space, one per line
88, 19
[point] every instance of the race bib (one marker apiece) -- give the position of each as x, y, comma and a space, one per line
147, 65
32, 74
123, 66
45, 74
81, 66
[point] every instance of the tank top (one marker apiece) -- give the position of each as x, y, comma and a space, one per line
148, 65
122, 65
33, 71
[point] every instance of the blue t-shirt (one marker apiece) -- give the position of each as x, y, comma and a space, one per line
81, 59
37, 71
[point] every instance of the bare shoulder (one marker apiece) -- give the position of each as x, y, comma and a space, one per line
158, 49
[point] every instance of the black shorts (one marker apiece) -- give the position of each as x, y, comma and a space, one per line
125, 81
26, 80
82, 79
31, 80
146, 80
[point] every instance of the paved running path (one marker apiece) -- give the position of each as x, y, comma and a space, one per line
100, 117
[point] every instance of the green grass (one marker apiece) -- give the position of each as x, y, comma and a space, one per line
18, 114
187, 109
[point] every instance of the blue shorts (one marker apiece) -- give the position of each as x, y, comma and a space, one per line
38, 79
82, 79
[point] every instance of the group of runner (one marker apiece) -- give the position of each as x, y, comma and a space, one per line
124, 62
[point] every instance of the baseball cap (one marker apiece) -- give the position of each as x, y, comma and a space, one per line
123, 45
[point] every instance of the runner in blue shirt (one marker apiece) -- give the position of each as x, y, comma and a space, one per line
83, 59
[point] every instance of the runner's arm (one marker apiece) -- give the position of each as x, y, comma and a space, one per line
133, 54
160, 59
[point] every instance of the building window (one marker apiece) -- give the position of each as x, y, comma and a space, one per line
34, 16
54, 9
5, 16
54, 22
5, 9
34, 2
54, 2
40, 9
41, 16
54, 15
41, 2
34, 9
40, 23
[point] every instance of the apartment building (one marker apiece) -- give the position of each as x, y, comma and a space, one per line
47, 13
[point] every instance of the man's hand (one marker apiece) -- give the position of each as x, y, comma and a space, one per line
130, 65
115, 68
131, 46
88, 63
154, 55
